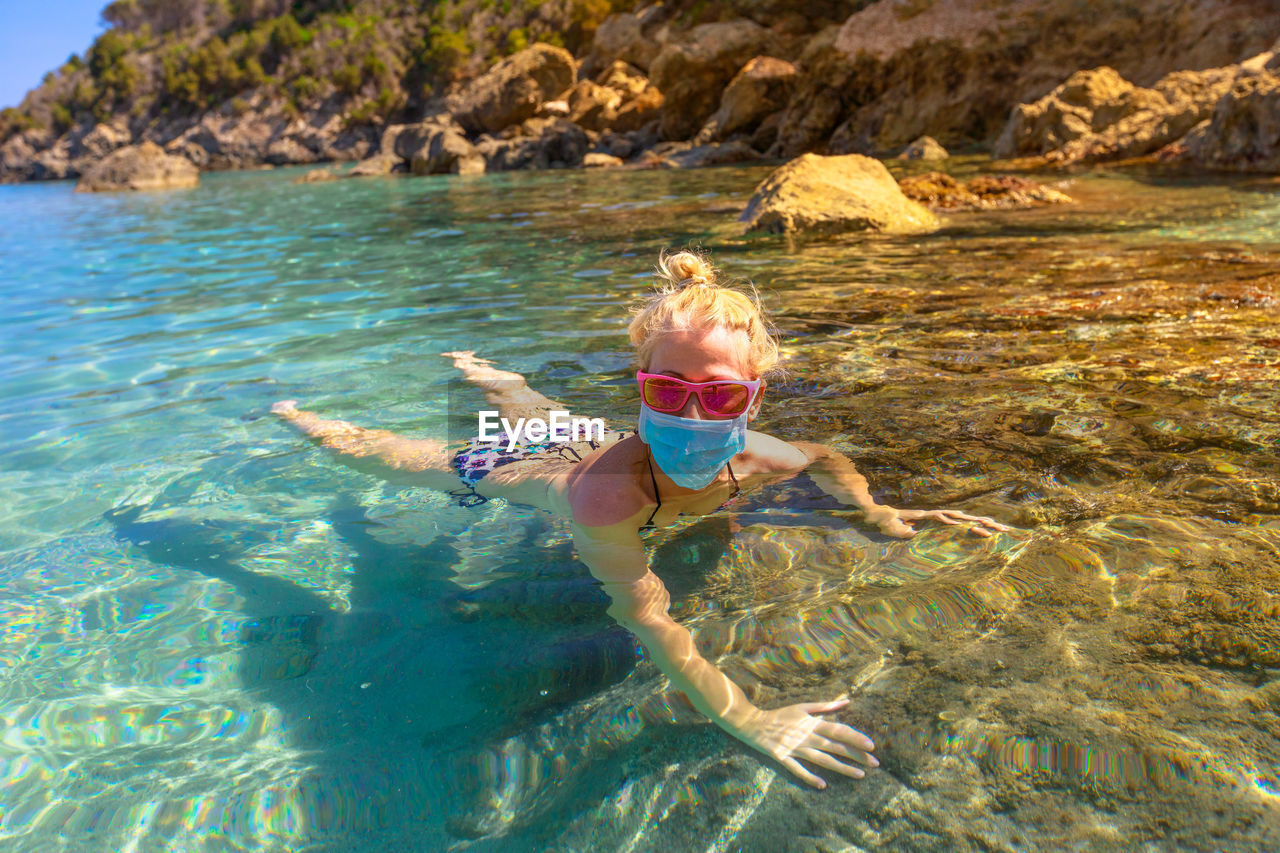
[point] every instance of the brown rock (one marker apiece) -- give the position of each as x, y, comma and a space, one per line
447, 152
685, 155
940, 191
639, 111
139, 167
541, 144
832, 194
625, 79
762, 87
692, 74
924, 148
600, 160
375, 166
635, 38
1243, 132
511, 91
593, 106
1097, 115
317, 176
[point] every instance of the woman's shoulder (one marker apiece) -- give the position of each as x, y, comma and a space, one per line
768, 454
607, 488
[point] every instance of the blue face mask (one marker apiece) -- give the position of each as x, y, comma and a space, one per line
689, 451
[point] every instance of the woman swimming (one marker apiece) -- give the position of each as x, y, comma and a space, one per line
703, 352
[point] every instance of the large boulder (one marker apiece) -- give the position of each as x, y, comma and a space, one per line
1097, 115
762, 87
139, 167
815, 194
634, 38
693, 73
511, 91
1243, 131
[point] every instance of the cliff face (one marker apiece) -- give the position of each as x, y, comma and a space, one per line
232, 84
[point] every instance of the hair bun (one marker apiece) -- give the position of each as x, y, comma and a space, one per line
686, 269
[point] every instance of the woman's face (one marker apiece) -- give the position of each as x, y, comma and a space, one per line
704, 355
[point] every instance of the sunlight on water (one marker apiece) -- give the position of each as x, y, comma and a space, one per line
213, 636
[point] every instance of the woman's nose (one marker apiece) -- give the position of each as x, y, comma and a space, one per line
692, 410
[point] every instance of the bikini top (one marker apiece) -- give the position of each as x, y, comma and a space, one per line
648, 525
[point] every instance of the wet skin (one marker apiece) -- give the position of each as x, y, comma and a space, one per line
608, 497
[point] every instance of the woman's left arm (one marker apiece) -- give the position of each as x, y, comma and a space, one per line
836, 475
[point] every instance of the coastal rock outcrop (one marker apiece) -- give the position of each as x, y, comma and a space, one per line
762, 87
818, 194
139, 167
1097, 114
540, 143
940, 191
924, 148
692, 74
632, 37
687, 155
446, 152
1243, 132
511, 91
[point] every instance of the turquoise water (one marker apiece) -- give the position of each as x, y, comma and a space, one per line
214, 636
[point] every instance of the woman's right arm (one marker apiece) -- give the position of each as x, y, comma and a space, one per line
640, 603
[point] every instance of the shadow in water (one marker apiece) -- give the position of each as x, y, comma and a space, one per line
417, 673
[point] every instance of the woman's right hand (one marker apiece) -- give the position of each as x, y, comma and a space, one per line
793, 733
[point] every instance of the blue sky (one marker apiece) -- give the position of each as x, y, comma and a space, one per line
36, 37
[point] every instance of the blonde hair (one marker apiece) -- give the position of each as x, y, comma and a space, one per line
688, 297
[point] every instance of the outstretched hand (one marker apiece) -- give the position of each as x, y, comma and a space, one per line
894, 521
793, 732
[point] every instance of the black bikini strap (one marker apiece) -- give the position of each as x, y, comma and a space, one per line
736, 487
649, 458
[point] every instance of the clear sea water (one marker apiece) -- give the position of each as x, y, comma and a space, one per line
214, 636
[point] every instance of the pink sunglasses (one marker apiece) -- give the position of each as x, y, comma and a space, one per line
721, 397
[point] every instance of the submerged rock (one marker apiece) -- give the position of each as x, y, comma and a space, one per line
924, 148
375, 166
686, 155
511, 91
139, 167
940, 191
317, 176
833, 194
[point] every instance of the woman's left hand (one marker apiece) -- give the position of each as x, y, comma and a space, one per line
894, 521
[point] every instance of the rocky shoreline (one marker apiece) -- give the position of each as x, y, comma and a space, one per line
647, 93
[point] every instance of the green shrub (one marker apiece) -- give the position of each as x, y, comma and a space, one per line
61, 117
348, 79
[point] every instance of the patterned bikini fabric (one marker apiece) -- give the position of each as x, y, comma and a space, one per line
474, 462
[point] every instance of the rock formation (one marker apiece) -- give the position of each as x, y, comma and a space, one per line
139, 167
692, 73
512, 90
761, 88
1097, 114
815, 194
